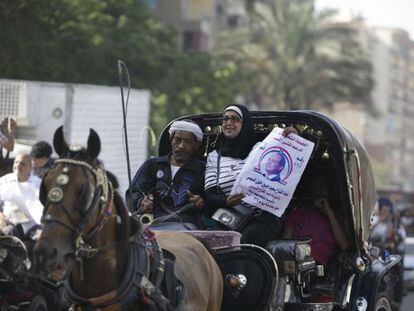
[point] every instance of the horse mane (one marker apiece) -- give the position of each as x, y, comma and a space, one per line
112, 178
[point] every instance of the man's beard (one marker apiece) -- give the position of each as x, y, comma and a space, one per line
181, 157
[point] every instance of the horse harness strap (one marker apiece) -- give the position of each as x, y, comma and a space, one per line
142, 281
103, 196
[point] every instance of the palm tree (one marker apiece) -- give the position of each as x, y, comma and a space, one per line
301, 59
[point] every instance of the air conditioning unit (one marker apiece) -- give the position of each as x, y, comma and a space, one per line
14, 101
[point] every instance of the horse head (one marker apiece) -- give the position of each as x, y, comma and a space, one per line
78, 205
81, 235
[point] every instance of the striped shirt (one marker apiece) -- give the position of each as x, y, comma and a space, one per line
229, 170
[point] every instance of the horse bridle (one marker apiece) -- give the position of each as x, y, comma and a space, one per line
103, 196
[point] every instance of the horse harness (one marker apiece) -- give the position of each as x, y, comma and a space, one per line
102, 198
149, 274
148, 278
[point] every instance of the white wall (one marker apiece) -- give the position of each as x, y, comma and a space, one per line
100, 108
80, 107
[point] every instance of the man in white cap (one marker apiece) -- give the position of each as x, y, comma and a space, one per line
165, 185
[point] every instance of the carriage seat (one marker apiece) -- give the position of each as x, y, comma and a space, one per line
216, 239
291, 255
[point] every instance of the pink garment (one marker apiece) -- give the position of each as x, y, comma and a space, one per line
310, 223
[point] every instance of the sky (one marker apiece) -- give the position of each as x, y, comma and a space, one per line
388, 13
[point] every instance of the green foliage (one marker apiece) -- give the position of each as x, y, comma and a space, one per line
80, 41
381, 173
205, 84
301, 59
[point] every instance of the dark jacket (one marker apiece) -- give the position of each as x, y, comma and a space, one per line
41, 171
169, 195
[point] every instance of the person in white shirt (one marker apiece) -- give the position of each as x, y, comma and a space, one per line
19, 193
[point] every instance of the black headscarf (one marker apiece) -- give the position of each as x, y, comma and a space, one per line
240, 146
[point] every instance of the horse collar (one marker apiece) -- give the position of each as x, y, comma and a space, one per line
140, 283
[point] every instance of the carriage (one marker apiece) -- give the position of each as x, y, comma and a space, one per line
82, 225
283, 276
19, 291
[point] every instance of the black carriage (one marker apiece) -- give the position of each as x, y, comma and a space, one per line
18, 289
284, 276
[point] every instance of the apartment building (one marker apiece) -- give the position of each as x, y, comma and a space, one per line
198, 21
388, 136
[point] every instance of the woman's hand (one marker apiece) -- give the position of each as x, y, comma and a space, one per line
234, 199
289, 130
196, 199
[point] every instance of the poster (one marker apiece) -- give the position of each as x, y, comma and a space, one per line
272, 171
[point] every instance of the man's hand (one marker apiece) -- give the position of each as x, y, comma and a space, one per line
196, 199
147, 204
234, 199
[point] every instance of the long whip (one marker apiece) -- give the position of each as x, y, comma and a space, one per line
121, 68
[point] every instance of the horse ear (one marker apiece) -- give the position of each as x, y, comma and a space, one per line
94, 144
59, 143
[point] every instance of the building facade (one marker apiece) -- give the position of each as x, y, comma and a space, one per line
389, 134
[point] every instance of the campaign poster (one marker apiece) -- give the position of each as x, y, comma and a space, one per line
272, 171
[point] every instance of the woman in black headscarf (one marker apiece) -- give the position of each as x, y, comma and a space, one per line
224, 165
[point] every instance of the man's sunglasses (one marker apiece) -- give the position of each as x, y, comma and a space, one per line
233, 119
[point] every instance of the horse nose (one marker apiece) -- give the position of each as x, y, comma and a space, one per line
44, 255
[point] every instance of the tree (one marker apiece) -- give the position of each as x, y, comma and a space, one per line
80, 41
302, 59
196, 83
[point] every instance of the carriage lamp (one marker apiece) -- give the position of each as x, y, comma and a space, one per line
325, 155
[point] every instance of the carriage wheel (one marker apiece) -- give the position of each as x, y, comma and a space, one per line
383, 304
38, 304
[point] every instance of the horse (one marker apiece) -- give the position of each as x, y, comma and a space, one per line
107, 260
